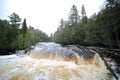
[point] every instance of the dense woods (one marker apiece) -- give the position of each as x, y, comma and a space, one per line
16, 35
102, 29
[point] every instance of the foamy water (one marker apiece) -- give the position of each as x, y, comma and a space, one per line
28, 68
51, 61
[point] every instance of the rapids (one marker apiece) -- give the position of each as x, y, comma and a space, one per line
50, 61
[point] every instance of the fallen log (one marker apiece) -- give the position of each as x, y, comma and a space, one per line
108, 67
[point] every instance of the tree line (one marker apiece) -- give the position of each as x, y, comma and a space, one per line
102, 29
16, 35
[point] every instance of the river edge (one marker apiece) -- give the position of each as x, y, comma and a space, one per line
112, 63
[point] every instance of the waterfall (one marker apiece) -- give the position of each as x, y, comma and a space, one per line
66, 64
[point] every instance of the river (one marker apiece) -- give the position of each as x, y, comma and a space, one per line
51, 61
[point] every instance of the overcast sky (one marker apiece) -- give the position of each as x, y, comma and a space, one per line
46, 14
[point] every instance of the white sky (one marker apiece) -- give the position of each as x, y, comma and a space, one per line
46, 14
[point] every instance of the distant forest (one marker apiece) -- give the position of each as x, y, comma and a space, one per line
102, 29
16, 35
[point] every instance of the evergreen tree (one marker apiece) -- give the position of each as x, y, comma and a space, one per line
83, 12
73, 16
24, 28
15, 19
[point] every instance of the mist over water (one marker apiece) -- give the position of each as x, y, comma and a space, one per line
50, 61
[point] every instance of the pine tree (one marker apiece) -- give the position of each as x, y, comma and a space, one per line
73, 16
24, 28
15, 19
84, 17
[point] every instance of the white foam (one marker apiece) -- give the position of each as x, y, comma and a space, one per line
46, 69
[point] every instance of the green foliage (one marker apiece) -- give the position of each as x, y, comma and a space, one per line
70, 32
14, 38
100, 29
84, 17
24, 27
14, 18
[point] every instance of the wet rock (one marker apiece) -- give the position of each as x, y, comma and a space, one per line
82, 51
48, 48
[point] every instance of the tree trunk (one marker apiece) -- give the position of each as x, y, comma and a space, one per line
117, 40
108, 67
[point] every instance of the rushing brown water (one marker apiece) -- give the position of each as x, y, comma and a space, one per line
41, 65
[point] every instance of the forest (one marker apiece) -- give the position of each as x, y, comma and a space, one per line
102, 29
16, 35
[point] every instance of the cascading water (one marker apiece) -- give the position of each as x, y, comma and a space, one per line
50, 61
